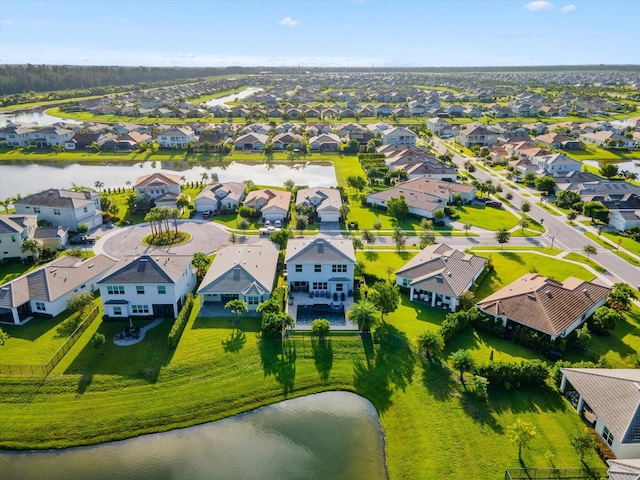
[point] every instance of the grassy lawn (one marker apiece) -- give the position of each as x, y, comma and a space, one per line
608, 246
508, 266
9, 271
576, 257
433, 428
486, 217
591, 152
377, 262
548, 209
547, 250
625, 242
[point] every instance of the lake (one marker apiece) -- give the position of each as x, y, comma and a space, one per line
332, 435
33, 116
234, 96
26, 178
631, 166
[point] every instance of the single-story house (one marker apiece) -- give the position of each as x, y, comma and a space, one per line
327, 202
272, 204
225, 196
545, 305
439, 274
609, 400
245, 272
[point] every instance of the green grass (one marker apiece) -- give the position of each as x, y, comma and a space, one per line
377, 262
507, 248
486, 217
625, 256
548, 209
10, 271
576, 257
625, 242
592, 152
509, 266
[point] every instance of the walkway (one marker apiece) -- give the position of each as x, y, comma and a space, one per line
126, 342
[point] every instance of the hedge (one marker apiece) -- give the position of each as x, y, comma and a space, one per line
456, 322
513, 374
180, 322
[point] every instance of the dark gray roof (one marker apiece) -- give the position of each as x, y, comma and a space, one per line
149, 269
57, 199
13, 223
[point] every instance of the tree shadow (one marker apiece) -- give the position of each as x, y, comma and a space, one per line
83, 383
322, 350
544, 399
480, 411
436, 378
235, 342
278, 358
371, 256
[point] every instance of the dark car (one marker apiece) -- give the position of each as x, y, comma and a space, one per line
493, 204
81, 240
207, 213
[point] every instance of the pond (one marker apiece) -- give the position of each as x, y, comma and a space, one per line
24, 178
33, 116
234, 96
334, 435
630, 166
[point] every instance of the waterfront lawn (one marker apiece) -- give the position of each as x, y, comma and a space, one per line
486, 217
591, 152
37, 340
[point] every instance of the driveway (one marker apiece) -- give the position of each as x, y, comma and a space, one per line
206, 237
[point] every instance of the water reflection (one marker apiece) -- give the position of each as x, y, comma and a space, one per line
333, 435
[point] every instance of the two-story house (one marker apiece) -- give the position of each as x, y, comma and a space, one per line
63, 207
327, 202
14, 230
477, 135
162, 188
176, 137
399, 136
149, 285
320, 264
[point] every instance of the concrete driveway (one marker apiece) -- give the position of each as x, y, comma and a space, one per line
206, 237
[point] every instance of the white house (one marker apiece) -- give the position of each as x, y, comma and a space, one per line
155, 185
327, 202
548, 306
63, 207
50, 136
149, 285
225, 196
399, 136
439, 274
437, 125
14, 230
16, 135
609, 400
556, 163
176, 137
245, 272
272, 204
320, 264
623, 220
45, 291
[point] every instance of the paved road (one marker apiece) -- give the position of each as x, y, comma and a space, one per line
206, 237
562, 235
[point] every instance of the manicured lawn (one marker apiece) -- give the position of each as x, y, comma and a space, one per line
486, 217
9, 271
547, 250
548, 209
591, 152
231, 220
600, 241
625, 242
576, 257
367, 215
377, 262
509, 266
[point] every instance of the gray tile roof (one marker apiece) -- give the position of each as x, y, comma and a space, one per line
157, 179
320, 249
624, 469
158, 269
235, 191
613, 395
246, 269
58, 199
442, 269
16, 223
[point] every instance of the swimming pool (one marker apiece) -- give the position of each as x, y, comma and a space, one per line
308, 313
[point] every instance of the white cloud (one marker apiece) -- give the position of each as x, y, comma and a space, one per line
569, 8
538, 6
288, 22
6, 22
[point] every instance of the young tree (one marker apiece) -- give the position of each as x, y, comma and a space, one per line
344, 211
397, 207
524, 222
98, 342
289, 185
595, 210
572, 215
521, 433
590, 250
621, 296
377, 225
583, 336
427, 237
357, 243
233, 238
368, 237
320, 328
526, 206
466, 300
400, 238
582, 443
77, 302
301, 223
546, 185
237, 307
466, 228
201, 262
363, 314
357, 182
430, 342
608, 170
605, 318
503, 236
529, 178
482, 387
280, 237
462, 361
244, 224
385, 296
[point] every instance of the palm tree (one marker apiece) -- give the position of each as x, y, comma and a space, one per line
363, 314
462, 361
237, 307
466, 227
99, 185
430, 341
33, 246
503, 236
344, 211
204, 176
127, 183
6, 202
589, 250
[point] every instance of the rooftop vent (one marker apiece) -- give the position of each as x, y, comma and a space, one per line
91, 265
548, 293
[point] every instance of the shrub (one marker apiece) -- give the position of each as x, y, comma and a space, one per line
320, 327
455, 322
536, 340
602, 449
556, 374
513, 374
180, 322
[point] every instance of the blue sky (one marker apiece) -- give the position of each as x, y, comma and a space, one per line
320, 32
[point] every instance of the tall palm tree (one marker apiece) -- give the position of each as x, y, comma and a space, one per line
6, 202
99, 185
33, 246
430, 341
363, 314
589, 250
462, 361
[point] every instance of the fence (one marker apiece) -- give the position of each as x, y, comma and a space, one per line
556, 473
44, 370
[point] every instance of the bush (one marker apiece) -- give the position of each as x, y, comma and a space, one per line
320, 327
536, 340
513, 374
180, 322
601, 447
455, 322
556, 374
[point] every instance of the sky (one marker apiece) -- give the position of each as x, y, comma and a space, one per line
364, 33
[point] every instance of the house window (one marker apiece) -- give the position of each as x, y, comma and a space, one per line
40, 306
317, 268
608, 436
320, 286
117, 310
338, 268
85, 209
13, 238
140, 309
140, 289
36, 209
253, 300
162, 289
115, 290
406, 282
299, 268
56, 211
339, 287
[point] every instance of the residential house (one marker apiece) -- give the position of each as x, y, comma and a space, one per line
16, 135
162, 188
81, 141
399, 136
438, 126
477, 135
557, 140
608, 139
624, 469
51, 136
329, 142
283, 140
251, 141
272, 204
545, 305
320, 264
53, 237
147, 286
439, 274
63, 207
609, 401
225, 196
245, 272
45, 291
624, 211
556, 163
14, 230
176, 137
326, 201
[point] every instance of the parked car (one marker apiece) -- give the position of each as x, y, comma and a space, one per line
493, 204
81, 240
278, 223
207, 213
268, 230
